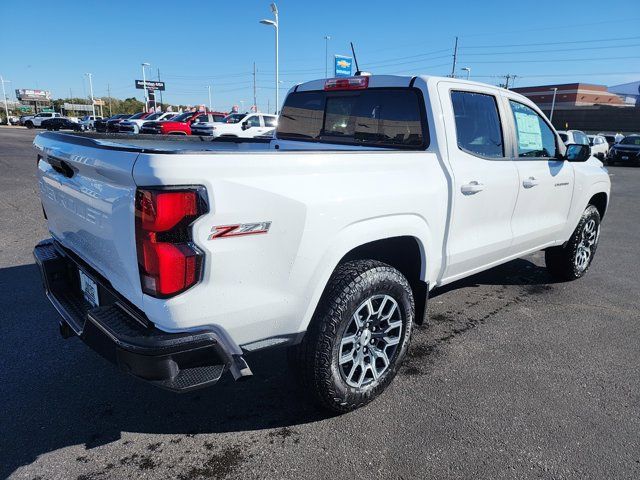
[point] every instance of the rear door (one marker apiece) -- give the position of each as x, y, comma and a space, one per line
88, 195
545, 182
485, 179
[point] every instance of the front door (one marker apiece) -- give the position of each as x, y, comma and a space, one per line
484, 179
545, 182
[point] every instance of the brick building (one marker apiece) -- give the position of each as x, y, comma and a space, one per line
571, 96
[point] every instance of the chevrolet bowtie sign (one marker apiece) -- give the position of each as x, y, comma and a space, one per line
343, 66
151, 85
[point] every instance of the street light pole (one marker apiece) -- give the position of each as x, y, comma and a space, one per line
468, 70
93, 105
209, 89
275, 24
326, 56
144, 85
4, 97
553, 103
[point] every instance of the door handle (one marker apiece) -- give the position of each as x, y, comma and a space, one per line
530, 182
472, 188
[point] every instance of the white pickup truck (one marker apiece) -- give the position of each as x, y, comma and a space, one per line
176, 257
36, 120
240, 125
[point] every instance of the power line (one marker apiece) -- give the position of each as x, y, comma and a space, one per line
553, 51
552, 43
559, 60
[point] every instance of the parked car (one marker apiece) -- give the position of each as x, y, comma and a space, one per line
23, 119
113, 126
88, 122
101, 124
599, 146
573, 137
626, 152
13, 120
61, 123
237, 125
180, 124
36, 120
326, 239
132, 125
610, 137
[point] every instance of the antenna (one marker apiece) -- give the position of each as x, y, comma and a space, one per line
355, 59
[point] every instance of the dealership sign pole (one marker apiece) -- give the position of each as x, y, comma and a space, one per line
4, 96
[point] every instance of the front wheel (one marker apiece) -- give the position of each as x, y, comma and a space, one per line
572, 260
358, 336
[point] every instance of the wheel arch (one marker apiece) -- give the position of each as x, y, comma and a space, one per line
600, 201
385, 239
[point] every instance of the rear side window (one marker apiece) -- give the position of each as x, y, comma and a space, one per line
535, 137
270, 121
382, 117
478, 128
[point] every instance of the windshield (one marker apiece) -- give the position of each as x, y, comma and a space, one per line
234, 118
153, 116
137, 115
183, 117
635, 140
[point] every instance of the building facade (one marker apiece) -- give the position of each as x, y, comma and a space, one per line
571, 96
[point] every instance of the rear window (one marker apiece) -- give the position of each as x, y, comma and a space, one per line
630, 141
381, 117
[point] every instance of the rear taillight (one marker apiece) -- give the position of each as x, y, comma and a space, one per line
168, 261
348, 83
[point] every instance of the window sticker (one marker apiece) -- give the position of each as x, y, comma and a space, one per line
529, 134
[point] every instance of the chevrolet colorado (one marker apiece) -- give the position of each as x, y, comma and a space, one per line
175, 257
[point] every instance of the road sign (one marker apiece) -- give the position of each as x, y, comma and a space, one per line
342, 66
151, 85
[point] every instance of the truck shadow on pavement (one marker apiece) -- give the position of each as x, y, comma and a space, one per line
57, 393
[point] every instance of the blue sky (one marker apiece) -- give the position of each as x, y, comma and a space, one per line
206, 42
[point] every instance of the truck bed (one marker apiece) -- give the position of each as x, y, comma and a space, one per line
159, 143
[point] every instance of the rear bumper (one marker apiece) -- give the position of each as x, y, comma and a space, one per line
122, 334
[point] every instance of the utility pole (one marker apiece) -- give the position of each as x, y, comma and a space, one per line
93, 105
109, 95
326, 56
255, 102
508, 77
161, 103
455, 59
4, 97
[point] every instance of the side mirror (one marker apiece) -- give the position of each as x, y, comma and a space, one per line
245, 124
577, 153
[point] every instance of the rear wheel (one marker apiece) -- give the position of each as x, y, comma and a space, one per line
572, 260
358, 336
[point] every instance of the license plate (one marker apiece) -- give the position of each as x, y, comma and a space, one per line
624, 157
89, 289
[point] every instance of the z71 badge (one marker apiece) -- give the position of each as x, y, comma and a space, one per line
225, 231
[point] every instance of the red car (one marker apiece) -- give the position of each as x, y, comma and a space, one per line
181, 125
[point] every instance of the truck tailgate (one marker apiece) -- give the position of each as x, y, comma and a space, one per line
88, 197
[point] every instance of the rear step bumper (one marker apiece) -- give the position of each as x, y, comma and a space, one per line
122, 334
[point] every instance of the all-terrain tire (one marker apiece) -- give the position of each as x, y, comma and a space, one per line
572, 260
317, 360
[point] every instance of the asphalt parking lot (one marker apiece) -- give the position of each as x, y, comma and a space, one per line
514, 377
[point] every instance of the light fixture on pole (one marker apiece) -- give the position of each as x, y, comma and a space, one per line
93, 104
468, 70
144, 86
4, 97
326, 56
553, 103
275, 24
